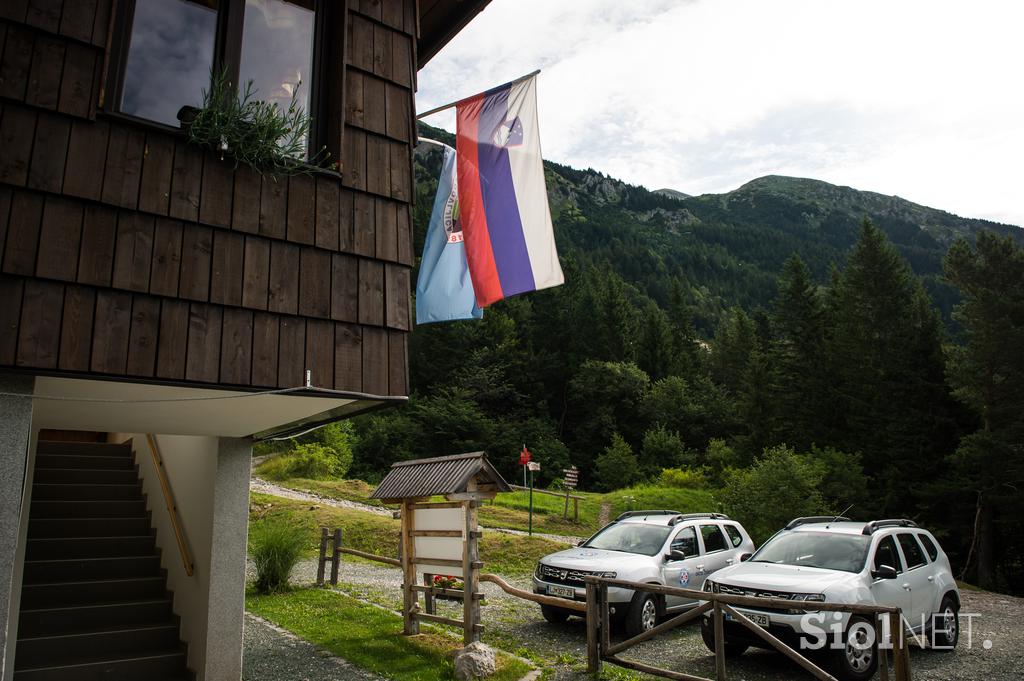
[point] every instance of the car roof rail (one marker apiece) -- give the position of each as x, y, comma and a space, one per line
797, 522
889, 522
712, 516
634, 514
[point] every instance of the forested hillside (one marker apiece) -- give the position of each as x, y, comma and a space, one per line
791, 346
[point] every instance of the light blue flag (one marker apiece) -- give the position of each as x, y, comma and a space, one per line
444, 290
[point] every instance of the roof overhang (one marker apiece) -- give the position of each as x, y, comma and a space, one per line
440, 21
118, 406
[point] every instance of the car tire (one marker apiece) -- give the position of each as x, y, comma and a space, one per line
855, 662
642, 614
554, 615
946, 625
731, 648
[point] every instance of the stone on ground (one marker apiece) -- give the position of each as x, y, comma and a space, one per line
475, 661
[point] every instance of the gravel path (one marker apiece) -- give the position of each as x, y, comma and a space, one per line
516, 625
264, 487
271, 653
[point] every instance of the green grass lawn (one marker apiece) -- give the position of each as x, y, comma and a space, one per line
502, 553
369, 637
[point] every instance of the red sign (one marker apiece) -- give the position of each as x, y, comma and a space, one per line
524, 456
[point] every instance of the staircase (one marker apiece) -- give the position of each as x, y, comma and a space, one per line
94, 601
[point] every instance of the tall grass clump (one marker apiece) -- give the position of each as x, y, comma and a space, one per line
275, 550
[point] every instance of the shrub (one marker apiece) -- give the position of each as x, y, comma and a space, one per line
617, 466
683, 477
311, 460
661, 448
275, 550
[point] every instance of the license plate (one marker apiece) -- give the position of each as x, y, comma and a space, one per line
562, 591
760, 620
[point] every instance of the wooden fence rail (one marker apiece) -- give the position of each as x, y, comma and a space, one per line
600, 648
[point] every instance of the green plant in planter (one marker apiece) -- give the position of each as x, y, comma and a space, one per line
260, 134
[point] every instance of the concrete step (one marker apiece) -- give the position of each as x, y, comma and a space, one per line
90, 547
153, 666
116, 508
92, 592
80, 491
89, 618
83, 448
67, 570
90, 461
91, 476
39, 651
89, 527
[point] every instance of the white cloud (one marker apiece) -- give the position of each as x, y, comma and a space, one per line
920, 98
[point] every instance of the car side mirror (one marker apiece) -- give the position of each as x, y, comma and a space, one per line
744, 557
581, 542
884, 572
675, 554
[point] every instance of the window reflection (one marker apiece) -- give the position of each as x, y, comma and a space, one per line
277, 50
169, 58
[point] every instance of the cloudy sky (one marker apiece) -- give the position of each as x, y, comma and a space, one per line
923, 99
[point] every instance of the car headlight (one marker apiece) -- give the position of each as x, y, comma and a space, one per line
606, 575
710, 586
537, 572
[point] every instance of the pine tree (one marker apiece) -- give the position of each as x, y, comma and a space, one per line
987, 374
735, 339
894, 406
800, 389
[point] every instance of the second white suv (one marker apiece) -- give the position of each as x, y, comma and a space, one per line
822, 560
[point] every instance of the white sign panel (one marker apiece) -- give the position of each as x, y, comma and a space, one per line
442, 548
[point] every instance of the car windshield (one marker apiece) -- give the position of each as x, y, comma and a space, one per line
631, 538
826, 550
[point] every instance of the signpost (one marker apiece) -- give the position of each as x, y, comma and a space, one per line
533, 466
572, 476
524, 458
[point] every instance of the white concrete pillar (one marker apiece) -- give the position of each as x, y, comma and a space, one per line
15, 439
223, 658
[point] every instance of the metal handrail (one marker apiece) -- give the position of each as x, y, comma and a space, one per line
172, 507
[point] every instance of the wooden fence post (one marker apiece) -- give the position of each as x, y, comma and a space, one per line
471, 576
593, 644
336, 556
428, 596
719, 643
323, 557
900, 658
409, 598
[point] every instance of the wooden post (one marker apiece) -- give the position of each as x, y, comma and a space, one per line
470, 575
323, 557
606, 621
335, 556
719, 643
565, 513
410, 599
575, 510
593, 645
883, 657
428, 596
899, 650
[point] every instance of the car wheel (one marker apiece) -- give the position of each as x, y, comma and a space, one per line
553, 614
856, 660
642, 615
731, 648
946, 625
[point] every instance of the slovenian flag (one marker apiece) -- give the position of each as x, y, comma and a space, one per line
444, 291
510, 242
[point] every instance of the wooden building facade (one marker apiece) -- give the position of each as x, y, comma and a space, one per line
126, 252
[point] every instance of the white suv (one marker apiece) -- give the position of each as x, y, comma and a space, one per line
885, 562
656, 547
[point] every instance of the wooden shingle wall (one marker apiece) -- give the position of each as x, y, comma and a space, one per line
126, 252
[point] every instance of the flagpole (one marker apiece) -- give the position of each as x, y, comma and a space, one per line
466, 99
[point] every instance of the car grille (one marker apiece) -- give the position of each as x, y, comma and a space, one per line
758, 593
564, 576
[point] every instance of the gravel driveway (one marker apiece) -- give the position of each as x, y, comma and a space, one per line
516, 625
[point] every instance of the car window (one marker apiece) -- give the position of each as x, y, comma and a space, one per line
631, 538
911, 550
929, 546
829, 551
886, 554
685, 541
735, 538
714, 540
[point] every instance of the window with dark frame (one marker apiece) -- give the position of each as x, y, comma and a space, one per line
168, 48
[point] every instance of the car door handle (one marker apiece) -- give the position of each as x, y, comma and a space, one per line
906, 587
931, 578
728, 561
699, 568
